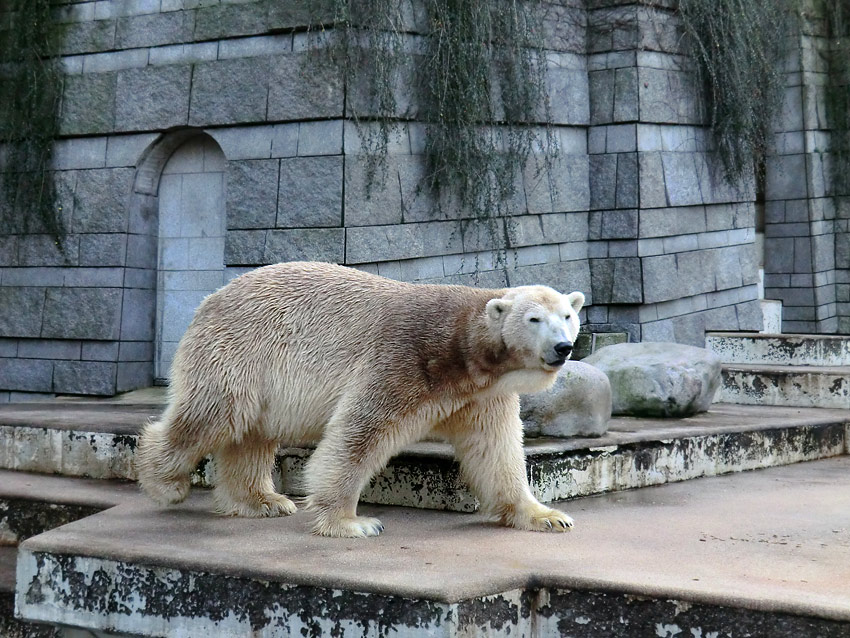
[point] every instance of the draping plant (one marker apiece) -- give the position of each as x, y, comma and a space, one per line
739, 47
30, 83
480, 89
838, 93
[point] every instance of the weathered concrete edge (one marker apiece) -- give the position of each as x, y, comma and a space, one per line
655, 463
435, 483
81, 591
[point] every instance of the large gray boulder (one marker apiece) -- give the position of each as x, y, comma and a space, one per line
579, 404
659, 379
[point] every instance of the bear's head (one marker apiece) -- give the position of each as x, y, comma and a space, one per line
538, 326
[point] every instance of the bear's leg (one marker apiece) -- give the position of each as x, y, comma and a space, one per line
243, 480
354, 448
487, 437
165, 459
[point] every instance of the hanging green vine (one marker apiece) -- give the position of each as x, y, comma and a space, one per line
738, 46
480, 89
30, 83
838, 93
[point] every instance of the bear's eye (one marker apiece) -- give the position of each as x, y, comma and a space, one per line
534, 319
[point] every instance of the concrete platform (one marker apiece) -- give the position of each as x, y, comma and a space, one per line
760, 553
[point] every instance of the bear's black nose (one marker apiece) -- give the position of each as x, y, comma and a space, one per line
564, 348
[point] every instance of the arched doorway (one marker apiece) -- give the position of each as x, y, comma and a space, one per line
190, 256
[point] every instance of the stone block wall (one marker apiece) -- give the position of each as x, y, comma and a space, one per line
663, 248
671, 244
801, 244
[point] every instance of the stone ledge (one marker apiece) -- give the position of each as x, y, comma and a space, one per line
77, 440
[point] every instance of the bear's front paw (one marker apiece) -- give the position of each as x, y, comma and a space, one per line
356, 527
541, 519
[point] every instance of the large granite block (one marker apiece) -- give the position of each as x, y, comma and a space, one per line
402, 241
154, 29
565, 186
152, 98
376, 202
86, 37
668, 96
244, 247
613, 224
133, 374
252, 191
88, 104
48, 349
21, 311
9, 250
320, 138
563, 276
231, 20
653, 193
308, 244
105, 193
302, 87
601, 85
84, 377
103, 249
310, 192
626, 102
230, 91
784, 176
569, 96
665, 222
26, 375
82, 313
45, 250
112, 277
681, 179
100, 351
137, 317
616, 280
603, 181
627, 181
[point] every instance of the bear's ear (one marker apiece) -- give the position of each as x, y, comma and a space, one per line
498, 308
576, 300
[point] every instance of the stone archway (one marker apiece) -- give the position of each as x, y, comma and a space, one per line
191, 229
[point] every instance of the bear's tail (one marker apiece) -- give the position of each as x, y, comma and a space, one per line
163, 469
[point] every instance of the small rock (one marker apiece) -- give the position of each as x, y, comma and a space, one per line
579, 404
659, 379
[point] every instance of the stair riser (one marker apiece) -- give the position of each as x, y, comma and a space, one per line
788, 350
435, 483
181, 602
20, 519
782, 388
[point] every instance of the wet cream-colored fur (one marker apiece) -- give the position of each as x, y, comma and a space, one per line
308, 352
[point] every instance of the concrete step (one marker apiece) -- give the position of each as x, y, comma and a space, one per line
801, 386
753, 554
33, 503
11, 627
99, 443
784, 349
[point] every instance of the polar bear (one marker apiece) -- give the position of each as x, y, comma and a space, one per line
362, 365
